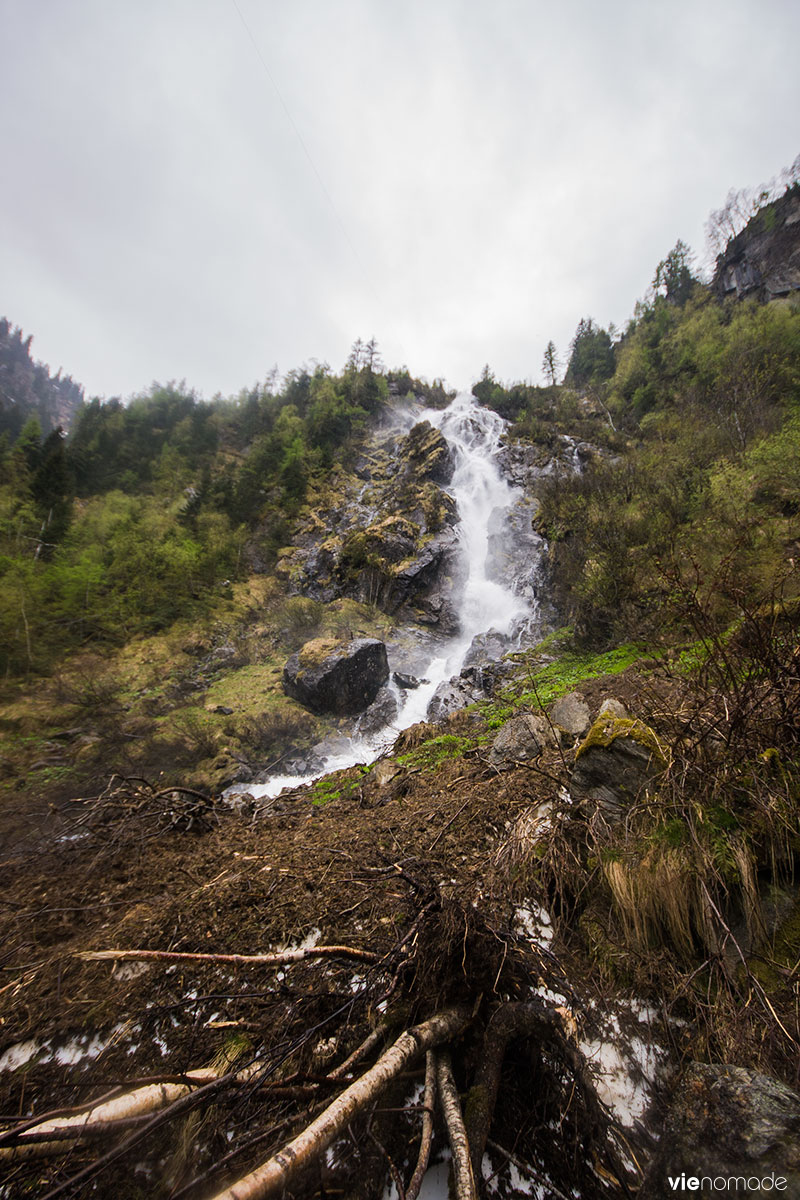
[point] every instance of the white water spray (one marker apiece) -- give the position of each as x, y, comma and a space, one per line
483, 605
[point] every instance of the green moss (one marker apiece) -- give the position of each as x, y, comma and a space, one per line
435, 751
607, 729
317, 650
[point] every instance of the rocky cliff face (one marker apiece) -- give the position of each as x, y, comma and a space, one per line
764, 259
349, 546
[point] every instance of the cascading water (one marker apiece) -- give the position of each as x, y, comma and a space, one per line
483, 604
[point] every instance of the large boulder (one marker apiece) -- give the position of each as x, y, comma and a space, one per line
330, 676
729, 1124
614, 762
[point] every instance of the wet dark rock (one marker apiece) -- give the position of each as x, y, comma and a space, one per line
381, 712
764, 259
456, 693
520, 740
726, 1121
516, 550
337, 677
420, 577
407, 682
427, 453
487, 648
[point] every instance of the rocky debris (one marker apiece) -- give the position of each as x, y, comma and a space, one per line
336, 677
381, 712
427, 454
613, 763
520, 740
613, 708
571, 713
725, 1122
458, 692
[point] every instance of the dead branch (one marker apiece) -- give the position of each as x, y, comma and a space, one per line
276, 959
111, 1115
360, 1052
272, 1176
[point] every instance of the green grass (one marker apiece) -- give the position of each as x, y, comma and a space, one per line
538, 686
435, 751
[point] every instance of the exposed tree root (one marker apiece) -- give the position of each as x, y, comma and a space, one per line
429, 1097
463, 1176
268, 1179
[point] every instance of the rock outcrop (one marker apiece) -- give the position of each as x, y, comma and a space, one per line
764, 259
342, 678
427, 454
726, 1122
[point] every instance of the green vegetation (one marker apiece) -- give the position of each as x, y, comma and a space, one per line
149, 510
536, 686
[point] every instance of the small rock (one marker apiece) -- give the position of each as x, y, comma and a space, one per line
571, 713
613, 708
384, 772
520, 740
407, 682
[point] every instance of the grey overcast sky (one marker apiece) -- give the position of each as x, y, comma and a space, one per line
202, 189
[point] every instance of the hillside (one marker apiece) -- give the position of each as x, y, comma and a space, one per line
542, 867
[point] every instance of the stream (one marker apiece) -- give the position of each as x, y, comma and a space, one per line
484, 604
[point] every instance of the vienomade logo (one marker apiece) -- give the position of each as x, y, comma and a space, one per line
727, 1183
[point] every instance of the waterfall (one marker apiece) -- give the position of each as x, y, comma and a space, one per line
483, 603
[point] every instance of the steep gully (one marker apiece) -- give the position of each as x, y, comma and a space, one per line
494, 598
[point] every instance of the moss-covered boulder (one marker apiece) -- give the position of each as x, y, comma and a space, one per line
330, 676
614, 763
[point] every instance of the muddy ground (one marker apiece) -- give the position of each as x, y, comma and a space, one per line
419, 870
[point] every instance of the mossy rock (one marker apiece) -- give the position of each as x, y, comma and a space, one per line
614, 763
607, 728
427, 454
318, 649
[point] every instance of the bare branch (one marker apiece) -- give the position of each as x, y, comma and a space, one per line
276, 959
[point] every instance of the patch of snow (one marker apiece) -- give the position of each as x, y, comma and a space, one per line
534, 922
124, 971
21, 1054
